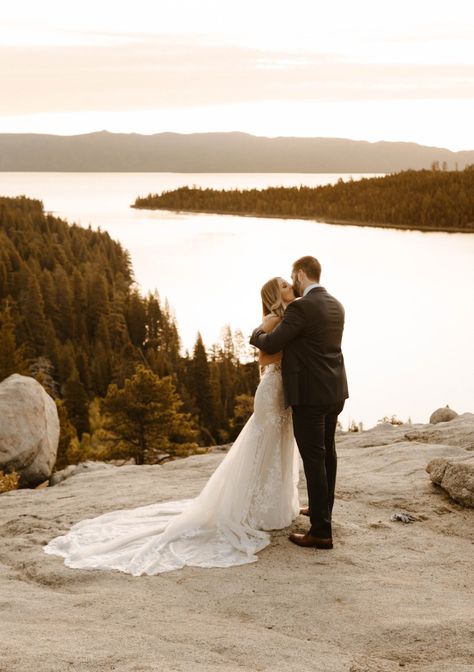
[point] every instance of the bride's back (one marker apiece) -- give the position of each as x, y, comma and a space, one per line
270, 322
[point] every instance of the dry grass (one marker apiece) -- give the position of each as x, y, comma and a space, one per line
9, 481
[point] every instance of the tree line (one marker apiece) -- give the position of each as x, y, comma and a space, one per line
435, 199
72, 316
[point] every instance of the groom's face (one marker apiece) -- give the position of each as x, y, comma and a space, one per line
296, 284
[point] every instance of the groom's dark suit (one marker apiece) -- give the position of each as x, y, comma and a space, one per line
315, 385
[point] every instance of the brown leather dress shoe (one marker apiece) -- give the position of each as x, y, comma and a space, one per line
304, 511
308, 541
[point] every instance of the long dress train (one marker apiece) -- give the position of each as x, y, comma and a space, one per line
252, 490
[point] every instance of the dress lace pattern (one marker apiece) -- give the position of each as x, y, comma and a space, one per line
254, 489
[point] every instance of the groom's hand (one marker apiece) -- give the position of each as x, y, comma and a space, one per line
289, 328
268, 325
254, 337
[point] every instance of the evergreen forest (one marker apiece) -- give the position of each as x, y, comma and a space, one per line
72, 317
427, 200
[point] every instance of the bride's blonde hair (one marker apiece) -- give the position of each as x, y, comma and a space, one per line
272, 303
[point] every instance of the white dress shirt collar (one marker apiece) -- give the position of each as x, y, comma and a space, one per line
310, 287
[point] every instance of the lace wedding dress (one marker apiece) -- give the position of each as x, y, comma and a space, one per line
253, 489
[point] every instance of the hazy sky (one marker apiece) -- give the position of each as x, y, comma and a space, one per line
361, 69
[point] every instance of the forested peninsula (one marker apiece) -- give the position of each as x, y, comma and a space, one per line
72, 316
426, 200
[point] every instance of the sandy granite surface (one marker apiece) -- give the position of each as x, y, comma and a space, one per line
390, 595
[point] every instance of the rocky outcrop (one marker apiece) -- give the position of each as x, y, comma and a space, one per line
81, 468
442, 415
418, 576
457, 478
29, 429
459, 432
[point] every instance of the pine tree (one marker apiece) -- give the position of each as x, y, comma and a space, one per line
64, 300
11, 357
79, 299
202, 389
154, 318
97, 302
77, 403
118, 329
34, 317
82, 365
67, 432
145, 416
170, 337
136, 319
48, 291
101, 374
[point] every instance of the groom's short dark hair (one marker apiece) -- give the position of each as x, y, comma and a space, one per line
310, 265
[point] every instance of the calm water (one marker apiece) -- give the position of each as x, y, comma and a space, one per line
408, 296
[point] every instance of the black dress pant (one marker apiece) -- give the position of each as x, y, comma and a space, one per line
314, 428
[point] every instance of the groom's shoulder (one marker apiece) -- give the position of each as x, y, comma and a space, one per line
320, 295
296, 310
314, 295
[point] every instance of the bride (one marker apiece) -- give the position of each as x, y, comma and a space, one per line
252, 490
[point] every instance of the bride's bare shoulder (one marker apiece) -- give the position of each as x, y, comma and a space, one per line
270, 322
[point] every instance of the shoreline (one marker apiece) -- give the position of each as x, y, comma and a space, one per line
337, 222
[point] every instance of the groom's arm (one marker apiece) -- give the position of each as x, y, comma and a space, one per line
291, 325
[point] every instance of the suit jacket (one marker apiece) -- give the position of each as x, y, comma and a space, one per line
309, 335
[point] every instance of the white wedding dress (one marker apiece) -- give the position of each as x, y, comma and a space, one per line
253, 489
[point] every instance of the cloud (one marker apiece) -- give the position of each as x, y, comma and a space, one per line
160, 73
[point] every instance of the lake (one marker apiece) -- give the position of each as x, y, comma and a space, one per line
408, 295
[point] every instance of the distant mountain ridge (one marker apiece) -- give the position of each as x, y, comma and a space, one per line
215, 153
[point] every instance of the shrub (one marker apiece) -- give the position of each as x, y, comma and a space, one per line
9, 481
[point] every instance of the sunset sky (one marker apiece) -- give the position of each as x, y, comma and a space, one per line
365, 70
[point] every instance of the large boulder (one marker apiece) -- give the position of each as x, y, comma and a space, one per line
442, 415
29, 429
457, 478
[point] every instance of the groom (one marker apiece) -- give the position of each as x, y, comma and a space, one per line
315, 386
